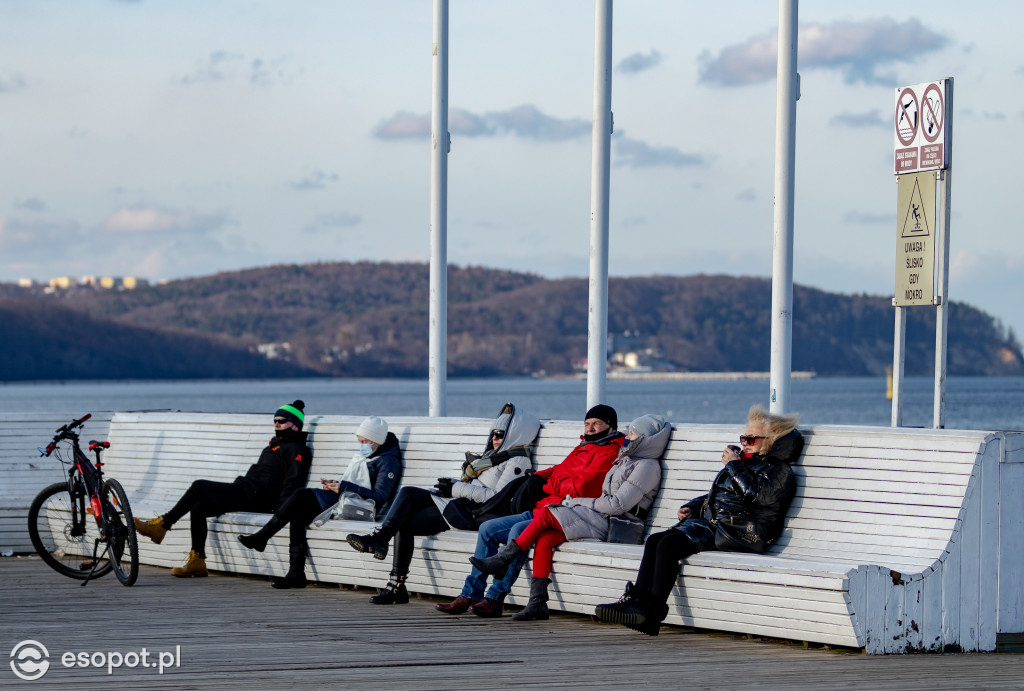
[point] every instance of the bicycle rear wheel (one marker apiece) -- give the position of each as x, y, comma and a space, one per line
65, 547
120, 530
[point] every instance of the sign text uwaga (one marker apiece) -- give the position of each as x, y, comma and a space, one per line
915, 239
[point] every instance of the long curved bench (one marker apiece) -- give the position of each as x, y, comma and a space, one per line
895, 541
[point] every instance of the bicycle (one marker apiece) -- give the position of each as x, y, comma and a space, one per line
59, 519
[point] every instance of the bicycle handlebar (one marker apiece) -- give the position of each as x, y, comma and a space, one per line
74, 423
63, 433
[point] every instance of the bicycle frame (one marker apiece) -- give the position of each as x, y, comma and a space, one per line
84, 477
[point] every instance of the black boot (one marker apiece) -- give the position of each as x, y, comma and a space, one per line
394, 592
258, 540
630, 610
497, 565
296, 576
537, 608
376, 542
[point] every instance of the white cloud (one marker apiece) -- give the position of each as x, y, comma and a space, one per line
317, 180
224, 66
856, 49
871, 118
154, 219
637, 154
639, 62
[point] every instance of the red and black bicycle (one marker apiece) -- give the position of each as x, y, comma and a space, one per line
83, 527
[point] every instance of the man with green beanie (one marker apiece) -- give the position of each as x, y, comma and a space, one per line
283, 468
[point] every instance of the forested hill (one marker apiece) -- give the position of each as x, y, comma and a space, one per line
369, 319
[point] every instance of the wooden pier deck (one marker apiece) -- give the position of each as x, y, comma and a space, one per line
237, 632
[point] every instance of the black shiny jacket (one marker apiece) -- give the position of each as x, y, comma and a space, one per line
754, 492
283, 468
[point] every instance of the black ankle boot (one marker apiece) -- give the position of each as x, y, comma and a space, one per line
498, 565
376, 542
296, 576
537, 608
258, 540
394, 592
630, 610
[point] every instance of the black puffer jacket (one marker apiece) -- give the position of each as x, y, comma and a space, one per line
283, 467
749, 499
385, 468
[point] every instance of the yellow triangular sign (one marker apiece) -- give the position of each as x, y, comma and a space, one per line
915, 221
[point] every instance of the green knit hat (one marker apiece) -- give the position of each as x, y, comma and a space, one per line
293, 413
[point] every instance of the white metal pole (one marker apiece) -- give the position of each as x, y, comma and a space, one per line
899, 358
786, 95
942, 311
439, 142
597, 325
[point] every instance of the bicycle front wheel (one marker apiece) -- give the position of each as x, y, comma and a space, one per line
120, 533
65, 544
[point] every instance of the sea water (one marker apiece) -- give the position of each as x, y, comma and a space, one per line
992, 403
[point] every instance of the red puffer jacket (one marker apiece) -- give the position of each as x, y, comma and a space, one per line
582, 472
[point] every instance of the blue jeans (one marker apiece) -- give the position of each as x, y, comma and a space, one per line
492, 534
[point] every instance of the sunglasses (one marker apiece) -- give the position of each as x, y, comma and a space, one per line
498, 434
749, 439
279, 420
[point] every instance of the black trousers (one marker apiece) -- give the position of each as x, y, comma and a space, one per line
298, 511
205, 498
660, 564
412, 513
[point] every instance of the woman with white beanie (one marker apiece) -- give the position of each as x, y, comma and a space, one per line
384, 463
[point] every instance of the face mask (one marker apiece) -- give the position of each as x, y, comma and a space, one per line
366, 450
626, 442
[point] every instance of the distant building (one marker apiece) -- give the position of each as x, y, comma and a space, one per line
26, 283
275, 351
63, 283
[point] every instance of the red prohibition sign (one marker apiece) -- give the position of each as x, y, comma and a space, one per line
907, 116
933, 110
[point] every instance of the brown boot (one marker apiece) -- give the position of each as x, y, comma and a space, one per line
153, 529
487, 608
195, 567
459, 605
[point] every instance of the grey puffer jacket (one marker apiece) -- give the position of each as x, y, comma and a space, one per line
508, 462
631, 484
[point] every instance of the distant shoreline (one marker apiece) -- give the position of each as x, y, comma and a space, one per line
688, 376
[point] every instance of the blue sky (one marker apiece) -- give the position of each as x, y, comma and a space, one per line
167, 139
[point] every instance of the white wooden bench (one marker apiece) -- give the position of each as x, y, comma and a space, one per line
894, 543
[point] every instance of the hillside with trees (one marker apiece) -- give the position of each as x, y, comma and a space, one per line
368, 319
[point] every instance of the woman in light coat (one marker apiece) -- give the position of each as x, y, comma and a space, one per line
629, 490
453, 503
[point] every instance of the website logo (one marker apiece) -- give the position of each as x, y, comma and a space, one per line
29, 660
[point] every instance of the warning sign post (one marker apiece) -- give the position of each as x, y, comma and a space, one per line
915, 240
923, 138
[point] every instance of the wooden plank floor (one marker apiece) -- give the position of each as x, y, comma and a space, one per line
237, 632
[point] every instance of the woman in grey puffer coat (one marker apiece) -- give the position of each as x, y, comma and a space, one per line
629, 490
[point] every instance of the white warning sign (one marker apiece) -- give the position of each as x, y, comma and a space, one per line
915, 240
920, 127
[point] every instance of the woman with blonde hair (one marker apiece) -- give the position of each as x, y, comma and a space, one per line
744, 511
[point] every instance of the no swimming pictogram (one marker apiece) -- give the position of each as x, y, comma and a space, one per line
907, 116
915, 218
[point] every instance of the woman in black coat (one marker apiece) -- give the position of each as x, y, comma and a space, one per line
744, 511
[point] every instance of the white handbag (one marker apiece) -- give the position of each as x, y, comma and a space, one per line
350, 505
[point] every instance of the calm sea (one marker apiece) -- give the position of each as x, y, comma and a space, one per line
995, 403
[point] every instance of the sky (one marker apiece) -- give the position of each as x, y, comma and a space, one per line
166, 139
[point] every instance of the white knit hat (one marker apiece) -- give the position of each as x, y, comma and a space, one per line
373, 428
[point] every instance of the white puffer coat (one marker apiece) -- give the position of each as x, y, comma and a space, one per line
522, 429
631, 484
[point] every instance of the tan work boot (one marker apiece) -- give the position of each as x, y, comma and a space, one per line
195, 567
153, 529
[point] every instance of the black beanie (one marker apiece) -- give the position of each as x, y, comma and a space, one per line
293, 413
605, 413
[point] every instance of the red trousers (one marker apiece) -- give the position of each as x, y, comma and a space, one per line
544, 534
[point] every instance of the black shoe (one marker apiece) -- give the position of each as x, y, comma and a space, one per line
289, 581
394, 593
368, 543
497, 565
254, 542
630, 610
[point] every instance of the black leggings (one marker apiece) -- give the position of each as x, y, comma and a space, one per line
660, 566
298, 511
205, 498
413, 513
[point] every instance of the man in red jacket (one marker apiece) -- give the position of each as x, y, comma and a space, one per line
581, 474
